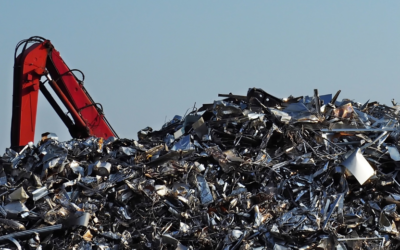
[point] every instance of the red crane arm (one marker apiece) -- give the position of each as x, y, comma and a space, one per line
42, 59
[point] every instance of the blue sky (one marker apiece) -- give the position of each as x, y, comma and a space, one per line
148, 60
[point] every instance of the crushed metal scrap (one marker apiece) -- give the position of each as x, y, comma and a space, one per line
245, 172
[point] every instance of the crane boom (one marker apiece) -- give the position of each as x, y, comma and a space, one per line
42, 59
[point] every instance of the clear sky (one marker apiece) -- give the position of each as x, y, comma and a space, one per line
148, 60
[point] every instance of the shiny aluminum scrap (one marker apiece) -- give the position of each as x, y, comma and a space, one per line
245, 172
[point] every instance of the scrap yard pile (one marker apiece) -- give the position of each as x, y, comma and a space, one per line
245, 172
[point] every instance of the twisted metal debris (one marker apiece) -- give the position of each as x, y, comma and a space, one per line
246, 172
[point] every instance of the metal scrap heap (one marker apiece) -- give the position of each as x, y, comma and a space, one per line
245, 172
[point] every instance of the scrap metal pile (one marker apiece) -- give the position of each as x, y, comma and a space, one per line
245, 172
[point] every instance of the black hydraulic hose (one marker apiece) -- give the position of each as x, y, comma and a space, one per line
26, 42
71, 71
